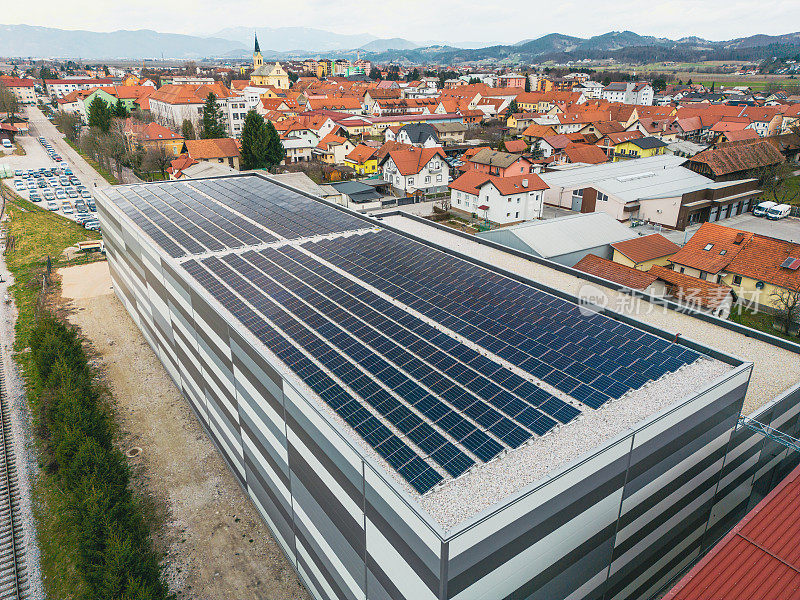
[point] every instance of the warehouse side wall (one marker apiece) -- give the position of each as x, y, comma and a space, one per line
347, 531
612, 525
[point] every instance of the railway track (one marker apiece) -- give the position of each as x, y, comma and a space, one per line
13, 572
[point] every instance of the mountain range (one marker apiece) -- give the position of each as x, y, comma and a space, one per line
300, 42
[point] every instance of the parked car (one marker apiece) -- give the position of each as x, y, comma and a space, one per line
761, 209
61, 194
52, 206
779, 211
7, 144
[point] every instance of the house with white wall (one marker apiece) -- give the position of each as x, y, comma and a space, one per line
411, 170
501, 200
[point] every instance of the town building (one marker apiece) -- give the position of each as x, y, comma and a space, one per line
24, 90
412, 170
58, 88
498, 200
214, 150
271, 75
628, 92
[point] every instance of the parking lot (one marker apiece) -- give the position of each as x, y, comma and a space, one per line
44, 177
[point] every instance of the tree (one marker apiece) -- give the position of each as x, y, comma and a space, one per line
70, 125
786, 302
45, 73
293, 77
536, 149
659, 84
212, 119
187, 130
275, 152
375, 74
513, 107
527, 82
689, 82
156, 159
120, 110
100, 114
8, 101
413, 75
473, 80
713, 83
255, 142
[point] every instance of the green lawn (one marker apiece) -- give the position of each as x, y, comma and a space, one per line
760, 321
790, 191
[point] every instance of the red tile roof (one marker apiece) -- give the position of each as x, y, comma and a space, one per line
725, 242
692, 290
212, 148
621, 274
411, 160
727, 159
585, 153
515, 146
647, 247
758, 560
189, 94
473, 180
361, 154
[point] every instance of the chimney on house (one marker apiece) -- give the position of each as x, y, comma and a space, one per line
524, 183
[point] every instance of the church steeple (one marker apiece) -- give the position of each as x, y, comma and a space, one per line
258, 60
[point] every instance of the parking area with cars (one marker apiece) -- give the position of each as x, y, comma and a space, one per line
57, 188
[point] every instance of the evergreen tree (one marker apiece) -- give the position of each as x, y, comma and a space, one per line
187, 130
527, 82
213, 126
255, 142
120, 110
513, 107
100, 114
375, 74
275, 151
712, 86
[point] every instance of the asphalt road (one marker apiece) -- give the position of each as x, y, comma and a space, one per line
40, 126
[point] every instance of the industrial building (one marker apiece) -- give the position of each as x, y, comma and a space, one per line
416, 424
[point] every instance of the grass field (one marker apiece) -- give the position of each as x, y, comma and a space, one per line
760, 321
109, 177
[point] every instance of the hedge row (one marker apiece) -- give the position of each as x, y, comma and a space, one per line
114, 558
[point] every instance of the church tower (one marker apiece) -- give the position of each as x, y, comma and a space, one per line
258, 60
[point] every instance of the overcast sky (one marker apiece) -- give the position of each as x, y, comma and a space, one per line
418, 20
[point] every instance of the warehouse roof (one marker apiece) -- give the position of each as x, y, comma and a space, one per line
564, 235
372, 324
758, 560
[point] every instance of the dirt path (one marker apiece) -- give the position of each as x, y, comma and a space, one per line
216, 543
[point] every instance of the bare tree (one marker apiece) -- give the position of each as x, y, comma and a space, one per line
156, 159
786, 302
69, 124
114, 146
8, 101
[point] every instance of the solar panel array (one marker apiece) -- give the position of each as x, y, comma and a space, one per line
436, 363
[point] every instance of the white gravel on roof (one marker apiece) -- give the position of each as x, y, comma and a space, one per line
774, 369
459, 499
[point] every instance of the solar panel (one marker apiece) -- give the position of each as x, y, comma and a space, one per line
436, 363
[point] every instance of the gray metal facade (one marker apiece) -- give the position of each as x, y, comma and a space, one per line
613, 525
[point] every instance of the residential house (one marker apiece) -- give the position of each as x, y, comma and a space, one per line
639, 148
412, 170
501, 164
629, 92
333, 149
610, 141
423, 135
451, 133
587, 154
24, 90
151, 136
214, 150
173, 104
363, 160
643, 252
755, 266
659, 282
500, 200
58, 88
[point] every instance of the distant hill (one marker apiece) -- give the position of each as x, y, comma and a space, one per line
389, 44
622, 45
302, 42
288, 39
47, 42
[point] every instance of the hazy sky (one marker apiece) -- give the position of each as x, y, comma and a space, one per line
453, 20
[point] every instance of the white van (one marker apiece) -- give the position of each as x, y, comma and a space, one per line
761, 209
779, 211
7, 144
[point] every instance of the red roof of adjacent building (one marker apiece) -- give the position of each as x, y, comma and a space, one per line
692, 290
473, 180
16, 81
361, 154
212, 148
411, 160
515, 146
758, 560
621, 274
647, 247
585, 153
